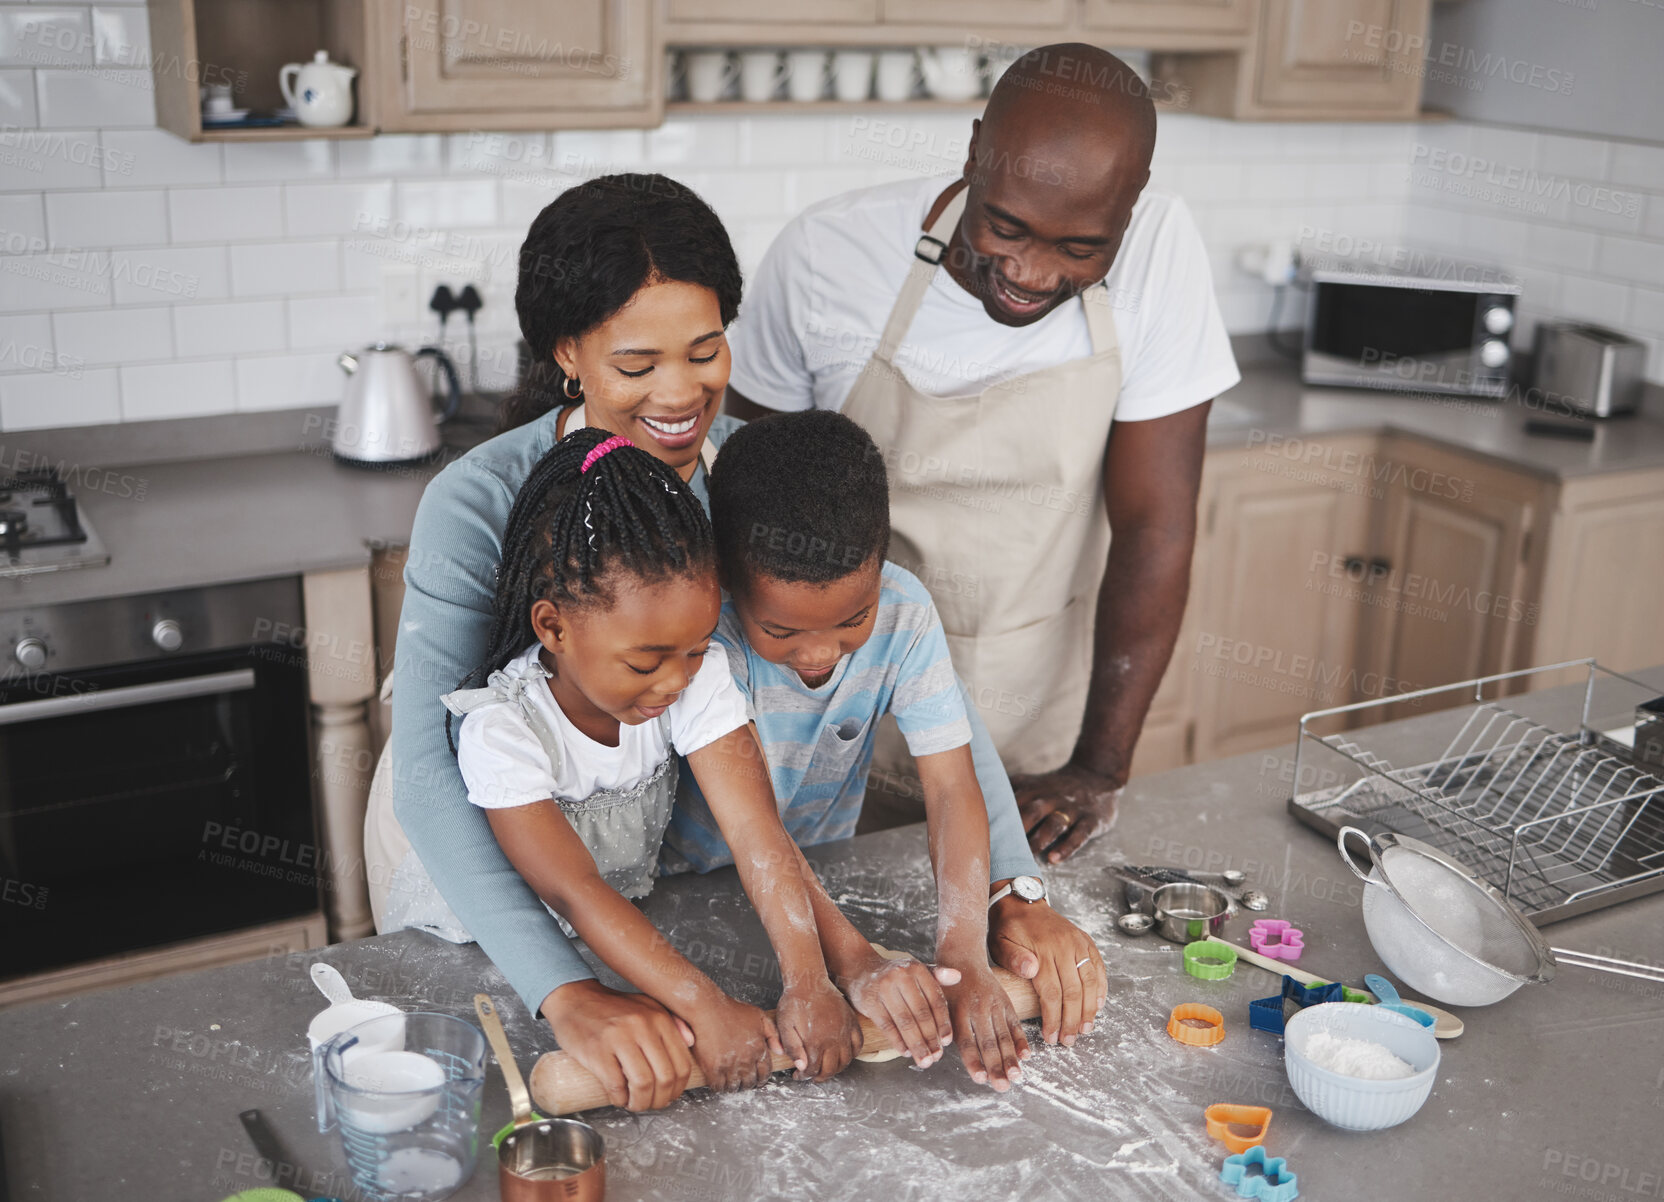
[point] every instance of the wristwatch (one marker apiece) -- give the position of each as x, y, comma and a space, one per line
1030, 888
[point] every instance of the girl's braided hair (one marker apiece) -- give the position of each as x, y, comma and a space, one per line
594, 247
570, 529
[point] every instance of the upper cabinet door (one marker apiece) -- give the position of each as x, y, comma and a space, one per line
1145, 17
1342, 55
774, 12
965, 16
520, 62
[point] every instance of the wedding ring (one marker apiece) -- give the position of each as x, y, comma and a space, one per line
1082, 960
1068, 819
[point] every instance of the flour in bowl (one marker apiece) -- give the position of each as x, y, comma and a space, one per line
1360, 1058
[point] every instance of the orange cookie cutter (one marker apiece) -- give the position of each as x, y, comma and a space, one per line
1222, 1116
1182, 1025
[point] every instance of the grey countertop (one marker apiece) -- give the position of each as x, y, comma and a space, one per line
216, 520
134, 1093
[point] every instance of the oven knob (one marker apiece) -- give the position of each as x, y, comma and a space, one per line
1493, 352
31, 653
167, 635
1499, 320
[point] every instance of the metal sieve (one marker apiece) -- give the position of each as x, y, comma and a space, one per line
1439, 928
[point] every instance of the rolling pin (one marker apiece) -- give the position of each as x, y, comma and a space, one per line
560, 1085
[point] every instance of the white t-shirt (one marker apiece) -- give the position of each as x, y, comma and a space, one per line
815, 310
504, 765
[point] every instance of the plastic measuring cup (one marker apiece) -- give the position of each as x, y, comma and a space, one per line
409, 1113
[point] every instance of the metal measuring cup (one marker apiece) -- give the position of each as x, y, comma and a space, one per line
539, 1159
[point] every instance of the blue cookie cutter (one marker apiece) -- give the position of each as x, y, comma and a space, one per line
1270, 1013
1273, 1182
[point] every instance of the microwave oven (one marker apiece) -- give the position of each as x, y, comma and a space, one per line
1443, 331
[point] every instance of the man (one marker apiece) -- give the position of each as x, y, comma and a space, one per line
1050, 386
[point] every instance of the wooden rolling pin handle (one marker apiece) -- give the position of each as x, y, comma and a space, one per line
560, 1085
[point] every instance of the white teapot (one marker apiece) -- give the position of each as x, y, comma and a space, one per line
322, 91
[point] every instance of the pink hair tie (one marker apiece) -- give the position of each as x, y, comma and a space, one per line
604, 448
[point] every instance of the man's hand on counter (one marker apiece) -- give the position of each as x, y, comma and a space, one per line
1062, 810
1038, 944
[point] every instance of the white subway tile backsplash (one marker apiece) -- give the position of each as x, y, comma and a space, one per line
478, 152
17, 98
315, 210
1575, 158
39, 36
168, 390
1552, 246
1594, 300
230, 328
123, 218
144, 157
151, 276
56, 280
391, 154
42, 400
225, 214
524, 199
285, 162
1646, 311
340, 322
1637, 260
693, 141
289, 381
26, 344
22, 223
105, 98
37, 159
121, 36
451, 204
115, 336
1638, 165
285, 268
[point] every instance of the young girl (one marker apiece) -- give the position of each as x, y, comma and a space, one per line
600, 667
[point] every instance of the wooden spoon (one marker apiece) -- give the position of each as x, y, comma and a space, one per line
1445, 1024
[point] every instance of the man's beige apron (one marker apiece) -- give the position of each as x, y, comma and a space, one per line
398, 884
996, 504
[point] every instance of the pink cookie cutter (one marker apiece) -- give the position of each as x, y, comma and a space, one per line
1276, 939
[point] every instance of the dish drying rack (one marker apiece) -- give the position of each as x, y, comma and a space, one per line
1559, 821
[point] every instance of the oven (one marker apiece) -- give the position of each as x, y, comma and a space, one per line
155, 785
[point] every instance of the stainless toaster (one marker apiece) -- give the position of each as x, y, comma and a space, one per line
1588, 369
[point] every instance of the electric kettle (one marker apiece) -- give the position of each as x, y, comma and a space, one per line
387, 416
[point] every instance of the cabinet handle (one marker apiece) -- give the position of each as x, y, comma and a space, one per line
1374, 568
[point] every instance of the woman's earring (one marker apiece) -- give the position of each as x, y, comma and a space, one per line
567, 387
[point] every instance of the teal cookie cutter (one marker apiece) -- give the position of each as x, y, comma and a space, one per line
1269, 1180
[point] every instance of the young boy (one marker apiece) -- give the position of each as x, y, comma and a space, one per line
825, 636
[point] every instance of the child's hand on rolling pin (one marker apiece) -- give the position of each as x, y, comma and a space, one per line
820, 1032
732, 1041
904, 1001
990, 1035
635, 1047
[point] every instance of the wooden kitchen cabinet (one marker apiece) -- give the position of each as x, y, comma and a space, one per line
1271, 642
1448, 595
1327, 60
517, 64
1602, 567
1142, 18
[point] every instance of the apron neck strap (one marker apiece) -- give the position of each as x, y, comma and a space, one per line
927, 255
576, 421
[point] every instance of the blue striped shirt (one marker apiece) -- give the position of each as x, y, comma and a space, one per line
819, 742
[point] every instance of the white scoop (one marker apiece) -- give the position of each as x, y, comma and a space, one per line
344, 1011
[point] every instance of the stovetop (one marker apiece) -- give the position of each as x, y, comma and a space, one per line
41, 527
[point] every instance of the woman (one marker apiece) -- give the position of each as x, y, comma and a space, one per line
627, 285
